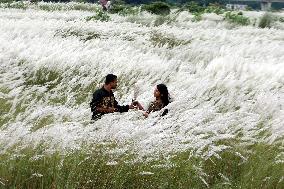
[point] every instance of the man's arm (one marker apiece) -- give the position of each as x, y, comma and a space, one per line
121, 108
106, 110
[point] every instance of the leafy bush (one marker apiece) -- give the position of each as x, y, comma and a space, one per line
81, 6
197, 17
164, 20
265, 21
6, 1
49, 7
37, 4
236, 18
248, 8
100, 15
117, 8
193, 7
18, 5
124, 10
160, 8
80, 1
240, 13
215, 8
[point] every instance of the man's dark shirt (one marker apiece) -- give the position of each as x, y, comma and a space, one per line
104, 99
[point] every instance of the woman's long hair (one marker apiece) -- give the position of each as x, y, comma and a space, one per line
164, 94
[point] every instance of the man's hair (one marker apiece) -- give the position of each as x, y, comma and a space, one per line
110, 78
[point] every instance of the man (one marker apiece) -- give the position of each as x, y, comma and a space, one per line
103, 101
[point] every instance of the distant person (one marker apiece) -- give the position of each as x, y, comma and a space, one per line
105, 4
162, 100
103, 101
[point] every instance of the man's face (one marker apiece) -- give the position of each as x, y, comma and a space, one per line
113, 84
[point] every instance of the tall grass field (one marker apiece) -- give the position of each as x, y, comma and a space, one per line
224, 71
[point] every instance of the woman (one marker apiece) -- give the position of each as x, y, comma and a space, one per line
162, 99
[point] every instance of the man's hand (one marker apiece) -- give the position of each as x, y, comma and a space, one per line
136, 104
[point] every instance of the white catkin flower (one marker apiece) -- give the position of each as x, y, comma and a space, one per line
37, 175
2, 183
112, 163
146, 173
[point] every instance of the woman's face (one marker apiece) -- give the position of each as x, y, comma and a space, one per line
157, 93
